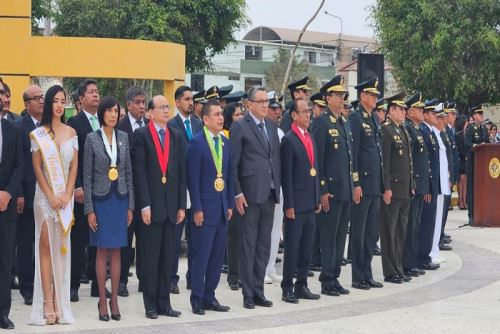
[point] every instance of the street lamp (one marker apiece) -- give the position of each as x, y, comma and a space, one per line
341, 27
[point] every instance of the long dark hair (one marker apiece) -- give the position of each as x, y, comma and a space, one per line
228, 112
48, 107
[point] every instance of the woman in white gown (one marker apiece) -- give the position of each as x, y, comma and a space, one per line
54, 147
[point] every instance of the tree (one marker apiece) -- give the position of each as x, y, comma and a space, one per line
275, 74
39, 9
448, 49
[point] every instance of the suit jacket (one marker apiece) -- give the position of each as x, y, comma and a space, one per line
13, 117
125, 126
164, 199
433, 149
300, 190
256, 163
11, 167
366, 152
333, 139
475, 134
196, 126
396, 152
96, 162
201, 174
82, 126
286, 121
420, 157
26, 125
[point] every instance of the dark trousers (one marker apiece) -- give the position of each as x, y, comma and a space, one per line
179, 228
298, 236
233, 249
426, 233
208, 247
470, 185
316, 255
393, 224
364, 235
7, 236
127, 252
446, 205
79, 240
411, 244
25, 238
157, 245
333, 233
255, 244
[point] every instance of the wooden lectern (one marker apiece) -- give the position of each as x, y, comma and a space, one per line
487, 185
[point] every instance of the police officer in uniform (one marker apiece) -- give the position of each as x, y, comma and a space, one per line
421, 170
367, 177
199, 100
474, 135
298, 89
332, 134
398, 188
318, 105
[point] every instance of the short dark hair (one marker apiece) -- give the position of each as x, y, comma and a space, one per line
75, 96
294, 104
135, 91
106, 103
82, 87
205, 111
6, 87
179, 92
151, 104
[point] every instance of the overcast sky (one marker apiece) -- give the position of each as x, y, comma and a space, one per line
295, 13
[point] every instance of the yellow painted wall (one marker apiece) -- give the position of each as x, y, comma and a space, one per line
15, 8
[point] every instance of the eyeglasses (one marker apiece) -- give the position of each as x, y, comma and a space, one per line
305, 112
36, 98
164, 107
262, 103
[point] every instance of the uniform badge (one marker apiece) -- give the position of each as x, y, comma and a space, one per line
336, 146
365, 114
400, 152
333, 119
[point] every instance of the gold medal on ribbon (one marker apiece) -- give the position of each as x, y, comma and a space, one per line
219, 184
164, 179
312, 171
113, 173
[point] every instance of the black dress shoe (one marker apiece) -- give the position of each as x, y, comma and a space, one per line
420, 272
198, 308
349, 261
447, 235
170, 312
310, 273
393, 279
151, 315
289, 297
373, 283
360, 285
84, 279
411, 273
14, 284
216, 306
248, 303
430, 266
330, 291
405, 278
225, 269
262, 301
5, 323
315, 267
340, 288
28, 299
73, 295
305, 293
444, 247
278, 260
123, 290
343, 262
234, 285
376, 251
174, 288
445, 241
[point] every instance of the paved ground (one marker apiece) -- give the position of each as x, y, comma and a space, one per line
462, 297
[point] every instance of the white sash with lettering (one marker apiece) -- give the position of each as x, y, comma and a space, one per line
55, 174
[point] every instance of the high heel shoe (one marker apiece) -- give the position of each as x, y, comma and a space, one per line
102, 317
50, 316
114, 316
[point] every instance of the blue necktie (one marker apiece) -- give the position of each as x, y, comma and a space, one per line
216, 144
189, 133
162, 136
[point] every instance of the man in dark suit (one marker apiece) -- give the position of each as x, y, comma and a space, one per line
188, 126
211, 187
333, 138
298, 89
398, 188
428, 217
11, 176
136, 108
159, 171
367, 176
255, 157
421, 170
25, 236
6, 98
83, 123
300, 184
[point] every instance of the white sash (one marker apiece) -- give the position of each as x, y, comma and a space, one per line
55, 174
112, 148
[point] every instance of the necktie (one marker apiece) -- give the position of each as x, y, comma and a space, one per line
189, 133
162, 136
37, 124
139, 122
94, 123
261, 126
216, 145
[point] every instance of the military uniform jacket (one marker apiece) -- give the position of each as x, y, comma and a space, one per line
420, 158
333, 142
396, 154
449, 155
433, 149
454, 153
475, 134
366, 152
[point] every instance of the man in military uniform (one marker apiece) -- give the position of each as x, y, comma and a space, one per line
298, 89
318, 105
474, 135
399, 186
421, 170
367, 177
332, 134
428, 217
199, 100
